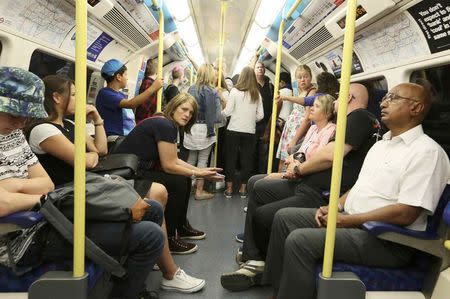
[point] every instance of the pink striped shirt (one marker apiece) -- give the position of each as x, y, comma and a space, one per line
315, 139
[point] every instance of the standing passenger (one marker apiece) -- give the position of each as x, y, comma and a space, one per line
266, 91
246, 109
148, 107
303, 76
202, 137
113, 105
173, 89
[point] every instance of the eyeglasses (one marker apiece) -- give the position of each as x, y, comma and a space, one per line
390, 96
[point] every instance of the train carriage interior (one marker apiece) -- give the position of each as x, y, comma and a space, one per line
395, 42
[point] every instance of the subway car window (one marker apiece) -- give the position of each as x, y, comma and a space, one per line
43, 64
438, 120
377, 89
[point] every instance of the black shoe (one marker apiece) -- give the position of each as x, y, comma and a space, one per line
190, 233
176, 246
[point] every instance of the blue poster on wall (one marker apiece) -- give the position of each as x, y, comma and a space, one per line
94, 50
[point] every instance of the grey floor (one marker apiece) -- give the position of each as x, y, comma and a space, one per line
221, 219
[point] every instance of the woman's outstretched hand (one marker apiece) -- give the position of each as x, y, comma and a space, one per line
211, 173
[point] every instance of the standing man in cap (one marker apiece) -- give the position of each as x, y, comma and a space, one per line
113, 105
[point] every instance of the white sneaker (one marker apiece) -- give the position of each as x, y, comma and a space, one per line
181, 282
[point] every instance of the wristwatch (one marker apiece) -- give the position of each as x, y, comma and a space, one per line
193, 176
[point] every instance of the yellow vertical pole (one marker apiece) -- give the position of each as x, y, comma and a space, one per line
275, 93
191, 75
160, 51
277, 84
80, 137
223, 8
447, 244
340, 137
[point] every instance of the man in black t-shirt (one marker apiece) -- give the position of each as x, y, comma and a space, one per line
268, 194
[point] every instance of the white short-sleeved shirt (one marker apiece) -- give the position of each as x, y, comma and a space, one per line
15, 156
410, 169
39, 133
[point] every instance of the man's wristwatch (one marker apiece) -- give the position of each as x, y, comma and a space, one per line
193, 176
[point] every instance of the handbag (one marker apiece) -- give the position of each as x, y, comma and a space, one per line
124, 165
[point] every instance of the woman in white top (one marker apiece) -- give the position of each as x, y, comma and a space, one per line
245, 107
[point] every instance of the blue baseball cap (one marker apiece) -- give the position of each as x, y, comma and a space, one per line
21, 93
111, 67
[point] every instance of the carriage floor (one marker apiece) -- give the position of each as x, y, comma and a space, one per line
221, 219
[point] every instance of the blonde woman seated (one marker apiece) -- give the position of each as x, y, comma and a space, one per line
318, 135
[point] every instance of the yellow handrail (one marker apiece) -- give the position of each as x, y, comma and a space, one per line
80, 137
191, 74
340, 137
223, 8
160, 51
276, 85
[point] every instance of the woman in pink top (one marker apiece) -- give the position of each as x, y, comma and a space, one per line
323, 129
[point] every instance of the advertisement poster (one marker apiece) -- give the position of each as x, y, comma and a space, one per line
433, 18
335, 61
97, 46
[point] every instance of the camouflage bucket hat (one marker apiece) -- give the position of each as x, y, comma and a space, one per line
21, 93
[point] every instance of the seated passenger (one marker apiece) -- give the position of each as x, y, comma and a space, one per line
303, 183
400, 183
24, 182
154, 142
326, 84
113, 105
52, 141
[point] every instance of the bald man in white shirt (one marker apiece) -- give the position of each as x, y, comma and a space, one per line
400, 183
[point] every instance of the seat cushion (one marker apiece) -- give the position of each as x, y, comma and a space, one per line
9, 282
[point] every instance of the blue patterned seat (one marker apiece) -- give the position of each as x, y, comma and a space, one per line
11, 282
410, 278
